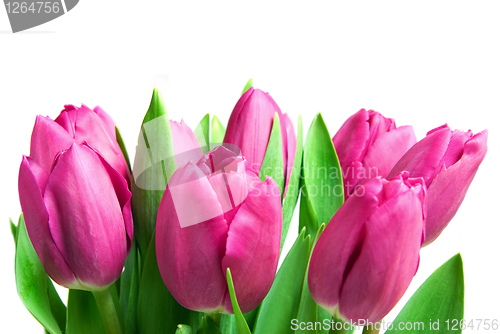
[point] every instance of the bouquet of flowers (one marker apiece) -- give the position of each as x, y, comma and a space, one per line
187, 239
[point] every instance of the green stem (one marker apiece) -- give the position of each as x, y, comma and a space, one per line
216, 316
371, 329
108, 312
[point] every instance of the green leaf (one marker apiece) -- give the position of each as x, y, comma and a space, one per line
241, 323
208, 326
247, 86
129, 289
292, 192
278, 308
322, 178
83, 314
228, 321
218, 131
157, 310
33, 285
439, 301
202, 133
121, 143
308, 310
184, 329
251, 317
154, 164
13, 229
273, 160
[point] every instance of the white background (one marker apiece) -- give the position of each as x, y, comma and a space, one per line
424, 64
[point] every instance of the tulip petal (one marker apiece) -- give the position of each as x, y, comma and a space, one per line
378, 126
423, 158
342, 236
351, 138
85, 125
48, 139
453, 152
81, 201
67, 119
230, 176
231, 133
387, 149
189, 258
450, 185
107, 121
253, 245
123, 195
221, 157
387, 261
250, 125
186, 146
32, 178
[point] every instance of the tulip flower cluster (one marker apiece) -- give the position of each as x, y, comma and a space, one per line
189, 239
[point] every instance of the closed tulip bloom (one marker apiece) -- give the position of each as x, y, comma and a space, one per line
369, 252
250, 124
150, 165
78, 217
448, 161
369, 145
77, 125
186, 145
215, 215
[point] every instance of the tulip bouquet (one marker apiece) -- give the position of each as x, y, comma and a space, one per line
188, 238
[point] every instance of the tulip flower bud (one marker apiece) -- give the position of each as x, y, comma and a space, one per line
186, 145
215, 215
162, 145
448, 161
369, 145
369, 252
250, 125
94, 127
78, 217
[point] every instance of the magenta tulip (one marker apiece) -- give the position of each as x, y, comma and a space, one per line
215, 215
78, 217
186, 145
249, 128
369, 252
76, 125
448, 161
369, 145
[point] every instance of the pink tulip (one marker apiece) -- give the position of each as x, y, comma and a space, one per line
369, 145
216, 215
78, 217
76, 125
447, 160
186, 145
369, 252
249, 128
